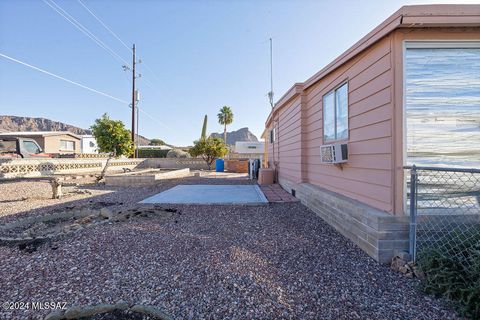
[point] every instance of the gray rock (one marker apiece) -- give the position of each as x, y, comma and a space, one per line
55, 315
105, 213
404, 256
121, 305
403, 269
88, 311
73, 312
151, 311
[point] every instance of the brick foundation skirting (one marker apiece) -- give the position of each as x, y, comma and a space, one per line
379, 234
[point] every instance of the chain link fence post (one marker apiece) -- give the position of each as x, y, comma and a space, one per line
444, 205
413, 212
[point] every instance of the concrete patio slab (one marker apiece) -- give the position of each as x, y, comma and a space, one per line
210, 194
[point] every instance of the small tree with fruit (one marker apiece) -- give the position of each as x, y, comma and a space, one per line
209, 149
112, 136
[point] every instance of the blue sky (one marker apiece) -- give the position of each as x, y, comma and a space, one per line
203, 54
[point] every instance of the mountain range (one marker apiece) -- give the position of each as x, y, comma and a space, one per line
242, 134
15, 123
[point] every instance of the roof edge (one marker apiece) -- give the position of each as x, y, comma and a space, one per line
407, 16
40, 133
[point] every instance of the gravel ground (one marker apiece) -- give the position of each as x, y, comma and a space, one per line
236, 262
23, 198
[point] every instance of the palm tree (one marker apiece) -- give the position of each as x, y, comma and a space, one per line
225, 117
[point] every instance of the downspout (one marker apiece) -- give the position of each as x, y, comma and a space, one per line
265, 153
276, 164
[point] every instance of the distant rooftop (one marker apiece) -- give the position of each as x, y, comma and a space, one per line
38, 133
162, 147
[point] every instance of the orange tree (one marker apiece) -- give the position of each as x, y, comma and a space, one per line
209, 149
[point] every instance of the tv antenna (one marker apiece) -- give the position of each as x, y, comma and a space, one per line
270, 93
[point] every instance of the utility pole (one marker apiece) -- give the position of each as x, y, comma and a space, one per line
136, 145
133, 99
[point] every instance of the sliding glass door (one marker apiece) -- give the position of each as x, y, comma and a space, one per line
442, 104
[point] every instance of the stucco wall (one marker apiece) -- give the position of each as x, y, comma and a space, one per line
52, 144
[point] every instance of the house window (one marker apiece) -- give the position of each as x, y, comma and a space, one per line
272, 135
335, 114
66, 145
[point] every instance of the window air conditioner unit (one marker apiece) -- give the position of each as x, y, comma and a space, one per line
334, 153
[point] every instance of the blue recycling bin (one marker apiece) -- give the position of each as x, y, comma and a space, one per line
220, 165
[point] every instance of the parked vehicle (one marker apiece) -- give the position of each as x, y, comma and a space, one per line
15, 147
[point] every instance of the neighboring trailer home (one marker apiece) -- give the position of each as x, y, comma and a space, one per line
88, 144
406, 93
248, 150
52, 142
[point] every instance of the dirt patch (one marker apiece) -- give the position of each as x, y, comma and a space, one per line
32, 232
119, 310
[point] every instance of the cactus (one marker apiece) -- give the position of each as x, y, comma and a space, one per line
204, 129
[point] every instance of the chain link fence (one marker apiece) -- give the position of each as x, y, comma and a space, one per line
444, 205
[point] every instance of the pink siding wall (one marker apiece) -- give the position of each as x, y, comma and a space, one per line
289, 142
287, 155
374, 171
367, 176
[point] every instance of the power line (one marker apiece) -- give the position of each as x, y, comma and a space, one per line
116, 36
148, 83
80, 85
84, 30
104, 25
62, 78
151, 71
153, 118
87, 32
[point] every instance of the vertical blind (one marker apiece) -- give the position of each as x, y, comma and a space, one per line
442, 88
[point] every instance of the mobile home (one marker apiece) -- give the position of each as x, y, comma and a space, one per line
406, 93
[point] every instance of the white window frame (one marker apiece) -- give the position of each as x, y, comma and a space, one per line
67, 141
333, 91
423, 44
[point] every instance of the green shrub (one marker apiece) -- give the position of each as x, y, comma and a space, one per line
454, 271
177, 153
152, 153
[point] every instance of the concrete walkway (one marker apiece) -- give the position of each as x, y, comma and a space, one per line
210, 194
